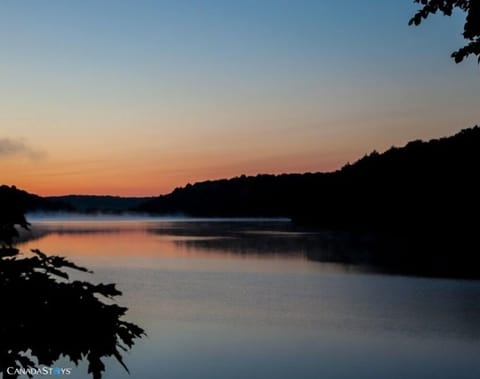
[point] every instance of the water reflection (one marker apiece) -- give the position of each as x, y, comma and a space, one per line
205, 254
343, 251
173, 239
235, 300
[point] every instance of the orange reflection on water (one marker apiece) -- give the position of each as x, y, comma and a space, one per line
128, 239
211, 246
120, 242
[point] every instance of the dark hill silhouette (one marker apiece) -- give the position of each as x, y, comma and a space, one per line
70, 203
28, 202
99, 204
252, 196
423, 184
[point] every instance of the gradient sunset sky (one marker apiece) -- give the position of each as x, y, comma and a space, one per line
139, 97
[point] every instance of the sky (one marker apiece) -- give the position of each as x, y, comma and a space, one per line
138, 97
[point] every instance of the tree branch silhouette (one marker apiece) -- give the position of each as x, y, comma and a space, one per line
45, 315
471, 31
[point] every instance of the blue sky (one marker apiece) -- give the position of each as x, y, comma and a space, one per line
179, 91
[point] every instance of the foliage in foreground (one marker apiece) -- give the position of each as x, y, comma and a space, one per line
45, 316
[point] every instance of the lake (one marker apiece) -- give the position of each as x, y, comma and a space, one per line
251, 299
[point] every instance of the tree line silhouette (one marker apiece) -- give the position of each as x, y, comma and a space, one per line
423, 185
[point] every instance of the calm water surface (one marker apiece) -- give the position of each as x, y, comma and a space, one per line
243, 300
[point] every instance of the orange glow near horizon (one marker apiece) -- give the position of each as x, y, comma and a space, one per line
150, 171
146, 171
124, 179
